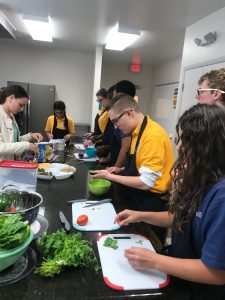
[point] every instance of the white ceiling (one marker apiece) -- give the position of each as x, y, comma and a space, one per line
81, 25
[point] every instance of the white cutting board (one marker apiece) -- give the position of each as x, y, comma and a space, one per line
100, 217
79, 146
119, 274
86, 158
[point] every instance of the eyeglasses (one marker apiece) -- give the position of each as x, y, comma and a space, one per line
202, 90
115, 121
100, 100
59, 112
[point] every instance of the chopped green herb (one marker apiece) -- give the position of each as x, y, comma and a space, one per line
111, 243
140, 242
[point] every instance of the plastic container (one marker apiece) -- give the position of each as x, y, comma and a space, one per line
19, 174
9, 257
90, 151
59, 150
42, 150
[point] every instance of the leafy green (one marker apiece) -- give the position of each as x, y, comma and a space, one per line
140, 242
13, 232
5, 203
61, 250
111, 243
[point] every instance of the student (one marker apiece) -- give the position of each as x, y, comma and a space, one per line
12, 100
119, 142
149, 160
102, 117
59, 125
212, 88
196, 208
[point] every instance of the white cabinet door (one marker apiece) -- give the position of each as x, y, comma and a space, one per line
161, 109
190, 86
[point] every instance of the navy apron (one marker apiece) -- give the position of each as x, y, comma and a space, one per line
59, 133
140, 199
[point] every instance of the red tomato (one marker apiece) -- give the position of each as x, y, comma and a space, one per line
82, 220
12, 209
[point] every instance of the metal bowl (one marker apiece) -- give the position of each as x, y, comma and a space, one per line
26, 203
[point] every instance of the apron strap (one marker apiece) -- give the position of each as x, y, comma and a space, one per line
143, 125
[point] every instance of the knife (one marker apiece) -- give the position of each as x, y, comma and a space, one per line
64, 221
70, 202
98, 202
75, 201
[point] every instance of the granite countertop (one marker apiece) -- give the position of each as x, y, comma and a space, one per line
83, 283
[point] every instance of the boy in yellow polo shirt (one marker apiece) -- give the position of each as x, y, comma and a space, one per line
149, 160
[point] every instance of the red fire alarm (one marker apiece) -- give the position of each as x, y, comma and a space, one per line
135, 68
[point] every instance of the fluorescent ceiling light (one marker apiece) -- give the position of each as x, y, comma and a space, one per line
119, 39
40, 28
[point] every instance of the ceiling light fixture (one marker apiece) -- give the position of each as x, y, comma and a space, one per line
119, 39
209, 39
40, 28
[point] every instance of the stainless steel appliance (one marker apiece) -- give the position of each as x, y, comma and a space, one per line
34, 116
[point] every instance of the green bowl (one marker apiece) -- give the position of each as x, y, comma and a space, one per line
99, 186
9, 257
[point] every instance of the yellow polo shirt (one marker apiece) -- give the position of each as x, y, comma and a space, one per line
155, 152
103, 119
60, 124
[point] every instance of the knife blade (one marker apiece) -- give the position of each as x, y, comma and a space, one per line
69, 202
98, 203
64, 221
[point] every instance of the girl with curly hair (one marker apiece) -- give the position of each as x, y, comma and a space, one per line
196, 210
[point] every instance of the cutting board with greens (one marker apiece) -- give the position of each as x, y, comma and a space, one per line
117, 272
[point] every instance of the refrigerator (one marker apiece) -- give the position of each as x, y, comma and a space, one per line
34, 116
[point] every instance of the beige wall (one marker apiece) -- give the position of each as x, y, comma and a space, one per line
112, 73
71, 73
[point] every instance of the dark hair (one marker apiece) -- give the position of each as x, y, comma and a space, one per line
201, 160
60, 105
102, 92
126, 87
110, 92
216, 80
121, 102
16, 90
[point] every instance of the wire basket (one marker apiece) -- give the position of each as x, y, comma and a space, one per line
25, 203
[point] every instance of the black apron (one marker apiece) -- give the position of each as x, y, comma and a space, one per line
140, 199
97, 130
182, 248
59, 133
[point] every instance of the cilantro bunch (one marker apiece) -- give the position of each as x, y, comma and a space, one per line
61, 250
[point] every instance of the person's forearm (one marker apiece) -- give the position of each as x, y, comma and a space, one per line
189, 269
121, 158
162, 218
125, 145
131, 181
